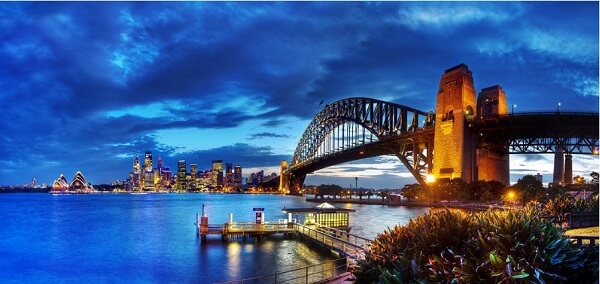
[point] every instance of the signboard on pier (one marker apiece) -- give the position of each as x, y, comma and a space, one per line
258, 218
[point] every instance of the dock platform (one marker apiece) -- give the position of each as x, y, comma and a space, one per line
237, 229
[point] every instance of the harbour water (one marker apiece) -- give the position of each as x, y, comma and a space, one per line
151, 238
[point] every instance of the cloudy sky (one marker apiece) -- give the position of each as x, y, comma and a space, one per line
87, 86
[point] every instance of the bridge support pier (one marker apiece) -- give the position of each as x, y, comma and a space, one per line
493, 166
557, 177
568, 176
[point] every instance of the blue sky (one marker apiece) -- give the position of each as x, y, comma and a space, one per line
87, 86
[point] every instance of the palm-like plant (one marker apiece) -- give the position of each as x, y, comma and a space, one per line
488, 247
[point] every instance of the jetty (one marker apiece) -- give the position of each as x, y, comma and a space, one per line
324, 225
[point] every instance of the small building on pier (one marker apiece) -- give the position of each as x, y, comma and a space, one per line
323, 214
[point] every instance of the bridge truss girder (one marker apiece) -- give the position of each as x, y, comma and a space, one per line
539, 132
349, 126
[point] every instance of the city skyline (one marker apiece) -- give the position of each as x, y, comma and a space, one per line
86, 86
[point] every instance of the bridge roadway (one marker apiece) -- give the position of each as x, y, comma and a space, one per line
388, 132
539, 132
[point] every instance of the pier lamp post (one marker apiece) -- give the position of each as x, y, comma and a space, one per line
513, 109
356, 183
558, 107
430, 179
511, 198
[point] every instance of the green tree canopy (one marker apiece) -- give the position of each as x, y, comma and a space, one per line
530, 188
411, 191
329, 189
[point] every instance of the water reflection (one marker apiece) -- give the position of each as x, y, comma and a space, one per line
233, 255
151, 238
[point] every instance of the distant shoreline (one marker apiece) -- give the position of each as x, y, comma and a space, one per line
373, 201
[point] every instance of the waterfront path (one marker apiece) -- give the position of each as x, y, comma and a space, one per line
439, 204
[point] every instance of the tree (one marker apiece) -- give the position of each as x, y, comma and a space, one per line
594, 176
360, 194
383, 194
484, 190
579, 179
330, 190
449, 188
411, 191
530, 188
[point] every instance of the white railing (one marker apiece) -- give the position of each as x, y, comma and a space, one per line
347, 244
307, 274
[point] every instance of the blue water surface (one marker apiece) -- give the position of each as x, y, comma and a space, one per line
151, 238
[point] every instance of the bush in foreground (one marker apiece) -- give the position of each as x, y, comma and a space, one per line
486, 247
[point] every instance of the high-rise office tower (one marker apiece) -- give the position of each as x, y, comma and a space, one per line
193, 176
217, 173
237, 174
166, 176
148, 173
228, 173
135, 181
181, 171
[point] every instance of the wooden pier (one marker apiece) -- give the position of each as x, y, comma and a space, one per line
339, 241
349, 247
236, 229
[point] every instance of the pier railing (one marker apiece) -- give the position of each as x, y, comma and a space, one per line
253, 228
346, 244
307, 274
584, 239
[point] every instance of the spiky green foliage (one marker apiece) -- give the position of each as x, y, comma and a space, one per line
487, 247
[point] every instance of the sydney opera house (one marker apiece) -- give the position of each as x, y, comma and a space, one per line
77, 185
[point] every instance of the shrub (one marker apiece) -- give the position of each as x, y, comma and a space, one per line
487, 247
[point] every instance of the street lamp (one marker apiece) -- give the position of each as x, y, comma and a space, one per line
511, 197
430, 179
558, 107
513, 109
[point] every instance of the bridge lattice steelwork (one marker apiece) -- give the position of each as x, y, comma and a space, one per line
357, 128
539, 132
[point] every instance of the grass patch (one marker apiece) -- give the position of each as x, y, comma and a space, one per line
592, 231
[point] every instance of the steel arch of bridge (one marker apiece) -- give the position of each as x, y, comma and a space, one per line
356, 128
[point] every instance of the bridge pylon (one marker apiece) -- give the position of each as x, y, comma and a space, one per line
490, 164
454, 142
284, 180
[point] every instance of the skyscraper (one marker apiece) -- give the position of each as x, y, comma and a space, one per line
148, 161
166, 176
160, 162
217, 173
237, 174
135, 179
148, 173
193, 176
181, 170
228, 174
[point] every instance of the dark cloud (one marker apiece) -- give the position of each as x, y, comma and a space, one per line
87, 85
267, 135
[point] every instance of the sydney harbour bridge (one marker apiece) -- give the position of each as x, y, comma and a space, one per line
467, 137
